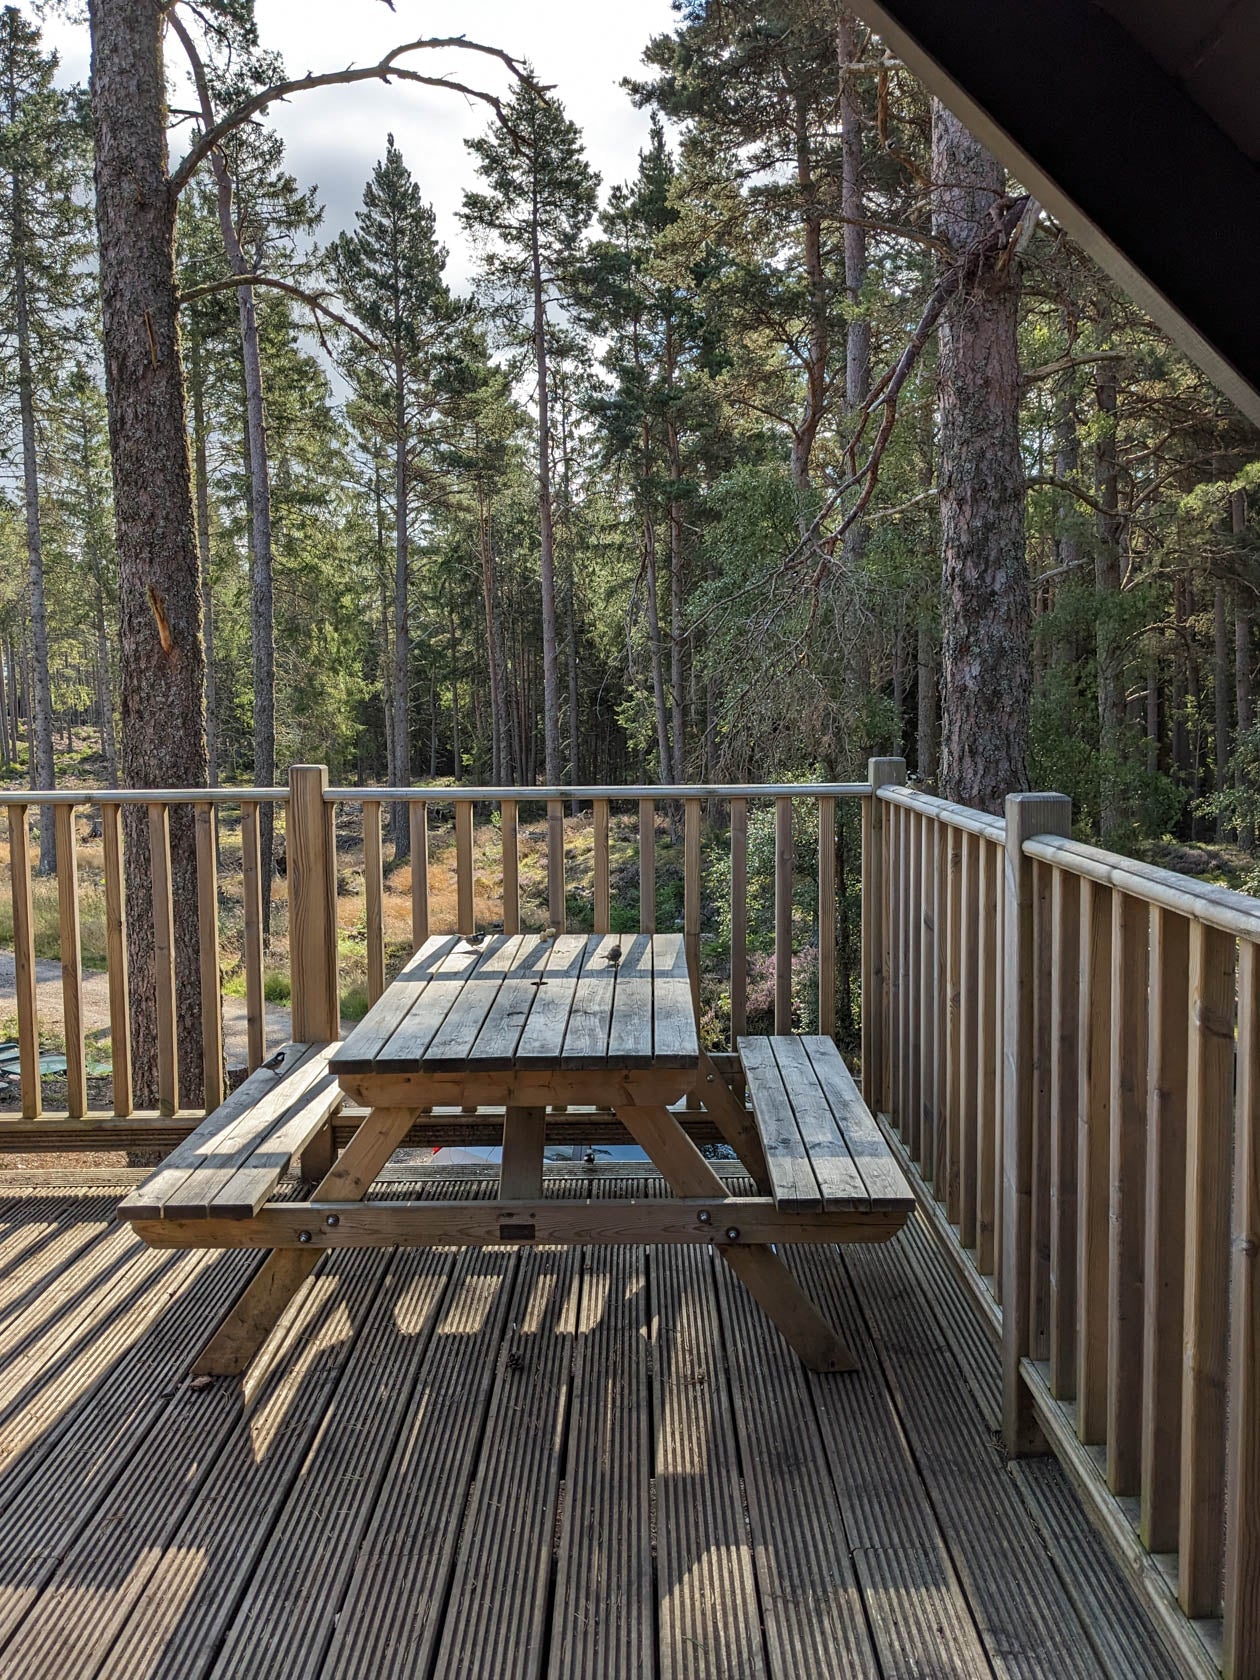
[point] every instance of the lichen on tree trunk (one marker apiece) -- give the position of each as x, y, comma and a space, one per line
985, 609
163, 670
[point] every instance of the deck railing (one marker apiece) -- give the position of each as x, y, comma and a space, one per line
1071, 1061
1065, 1044
307, 815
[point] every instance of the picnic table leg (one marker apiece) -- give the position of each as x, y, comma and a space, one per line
756, 1265
521, 1170
257, 1312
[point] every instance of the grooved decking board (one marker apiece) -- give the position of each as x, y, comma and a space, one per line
920, 1620
94, 1510
497, 1613
399, 1493
391, 1614
1021, 1609
190, 1598
603, 1622
1123, 1638
706, 1587
286, 1618
812, 1605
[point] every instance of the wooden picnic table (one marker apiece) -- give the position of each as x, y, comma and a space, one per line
529, 1023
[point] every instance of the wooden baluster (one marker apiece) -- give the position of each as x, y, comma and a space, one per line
465, 913
827, 915
988, 1056
647, 866
71, 959
374, 892
1209, 1161
999, 1131
24, 960
116, 962
783, 915
939, 1163
912, 1131
739, 918
1242, 1547
966, 1093
252, 955
313, 913
1164, 1264
953, 1117
213, 1081
1065, 975
1027, 814
602, 897
1130, 934
164, 959
555, 863
1093, 1161
418, 823
893, 831
511, 867
877, 936
1043, 1120
691, 896
928, 1035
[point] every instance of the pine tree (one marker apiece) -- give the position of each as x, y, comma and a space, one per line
539, 198
390, 270
43, 225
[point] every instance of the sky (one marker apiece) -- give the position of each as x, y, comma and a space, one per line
334, 135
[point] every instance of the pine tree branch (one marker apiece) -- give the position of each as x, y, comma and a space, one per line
313, 300
386, 70
1048, 481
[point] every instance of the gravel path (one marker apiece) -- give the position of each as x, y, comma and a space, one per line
96, 1007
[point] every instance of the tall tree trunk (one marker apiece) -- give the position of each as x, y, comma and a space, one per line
806, 432
163, 672
655, 652
402, 627
677, 632
1107, 577
41, 699
499, 730
6, 709
1221, 685
546, 535
456, 754
1243, 711
929, 709
201, 479
857, 357
984, 573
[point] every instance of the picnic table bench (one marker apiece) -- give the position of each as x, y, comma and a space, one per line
529, 1024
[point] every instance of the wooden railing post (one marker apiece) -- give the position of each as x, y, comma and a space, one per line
876, 1035
312, 866
1027, 814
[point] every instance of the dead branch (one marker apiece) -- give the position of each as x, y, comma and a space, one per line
386, 70
313, 300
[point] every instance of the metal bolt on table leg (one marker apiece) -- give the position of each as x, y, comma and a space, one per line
732, 1233
705, 1217
304, 1236
333, 1220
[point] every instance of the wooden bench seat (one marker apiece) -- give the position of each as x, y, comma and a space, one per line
229, 1166
823, 1148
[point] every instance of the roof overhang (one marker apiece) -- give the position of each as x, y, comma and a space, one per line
1141, 168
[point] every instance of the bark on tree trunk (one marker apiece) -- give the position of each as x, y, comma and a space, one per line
819, 336
547, 547
677, 633
163, 689
984, 573
1220, 694
655, 653
402, 629
1107, 577
41, 698
1242, 659
202, 482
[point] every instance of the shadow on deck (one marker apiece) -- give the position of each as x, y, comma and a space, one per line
578, 1464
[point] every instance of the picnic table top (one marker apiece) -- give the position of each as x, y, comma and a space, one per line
611, 1001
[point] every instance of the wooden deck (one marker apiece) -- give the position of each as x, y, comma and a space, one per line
585, 1465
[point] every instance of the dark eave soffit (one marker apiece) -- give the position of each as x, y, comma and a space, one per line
1115, 148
